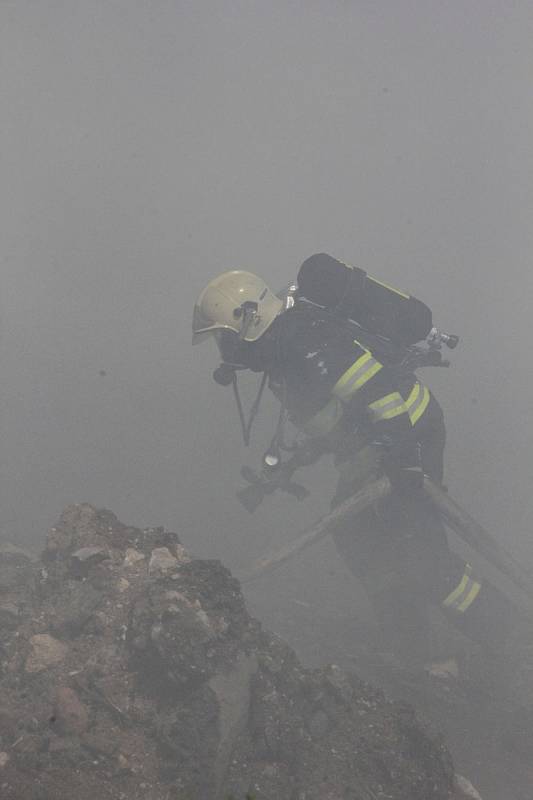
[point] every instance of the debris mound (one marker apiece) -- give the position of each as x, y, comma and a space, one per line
130, 670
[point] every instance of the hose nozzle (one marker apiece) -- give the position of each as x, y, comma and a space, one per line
437, 338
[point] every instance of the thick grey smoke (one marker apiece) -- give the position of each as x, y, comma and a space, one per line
148, 146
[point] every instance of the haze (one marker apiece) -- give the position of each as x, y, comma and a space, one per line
148, 146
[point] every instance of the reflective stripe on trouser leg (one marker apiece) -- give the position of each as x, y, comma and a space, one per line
464, 594
417, 402
356, 376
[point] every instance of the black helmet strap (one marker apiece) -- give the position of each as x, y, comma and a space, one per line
246, 424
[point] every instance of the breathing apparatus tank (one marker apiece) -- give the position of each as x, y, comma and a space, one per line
351, 293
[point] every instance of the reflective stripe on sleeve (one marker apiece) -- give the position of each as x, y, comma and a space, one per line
356, 376
388, 407
464, 594
417, 402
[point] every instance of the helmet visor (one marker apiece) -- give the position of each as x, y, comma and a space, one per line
203, 326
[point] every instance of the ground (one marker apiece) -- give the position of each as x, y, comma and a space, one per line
130, 670
486, 715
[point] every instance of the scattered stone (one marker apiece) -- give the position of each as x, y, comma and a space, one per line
162, 561
46, 652
182, 555
86, 557
123, 762
132, 557
123, 585
93, 554
4, 758
70, 713
444, 670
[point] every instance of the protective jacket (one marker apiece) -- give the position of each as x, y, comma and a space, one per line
331, 383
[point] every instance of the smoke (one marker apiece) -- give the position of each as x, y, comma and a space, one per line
147, 147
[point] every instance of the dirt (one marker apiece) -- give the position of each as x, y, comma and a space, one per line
130, 670
485, 713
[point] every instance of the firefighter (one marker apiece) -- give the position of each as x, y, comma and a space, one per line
375, 422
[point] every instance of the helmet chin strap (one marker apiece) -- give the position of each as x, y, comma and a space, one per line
246, 425
226, 373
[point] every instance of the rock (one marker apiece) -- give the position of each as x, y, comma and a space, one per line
71, 715
170, 688
77, 523
46, 652
72, 607
464, 789
93, 554
162, 561
182, 555
444, 670
132, 557
85, 558
123, 763
4, 758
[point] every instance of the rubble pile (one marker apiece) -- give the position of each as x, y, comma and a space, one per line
129, 670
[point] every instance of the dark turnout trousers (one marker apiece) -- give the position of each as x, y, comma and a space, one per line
399, 551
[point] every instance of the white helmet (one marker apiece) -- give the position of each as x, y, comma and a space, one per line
235, 301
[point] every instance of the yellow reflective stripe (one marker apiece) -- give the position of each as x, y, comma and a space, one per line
356, 366
417, 402
415, 415
384, 401
470, 597
464, 594
453, 597
413, 395
390, 288
392, 412
324, 420
356, 376
388, 407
